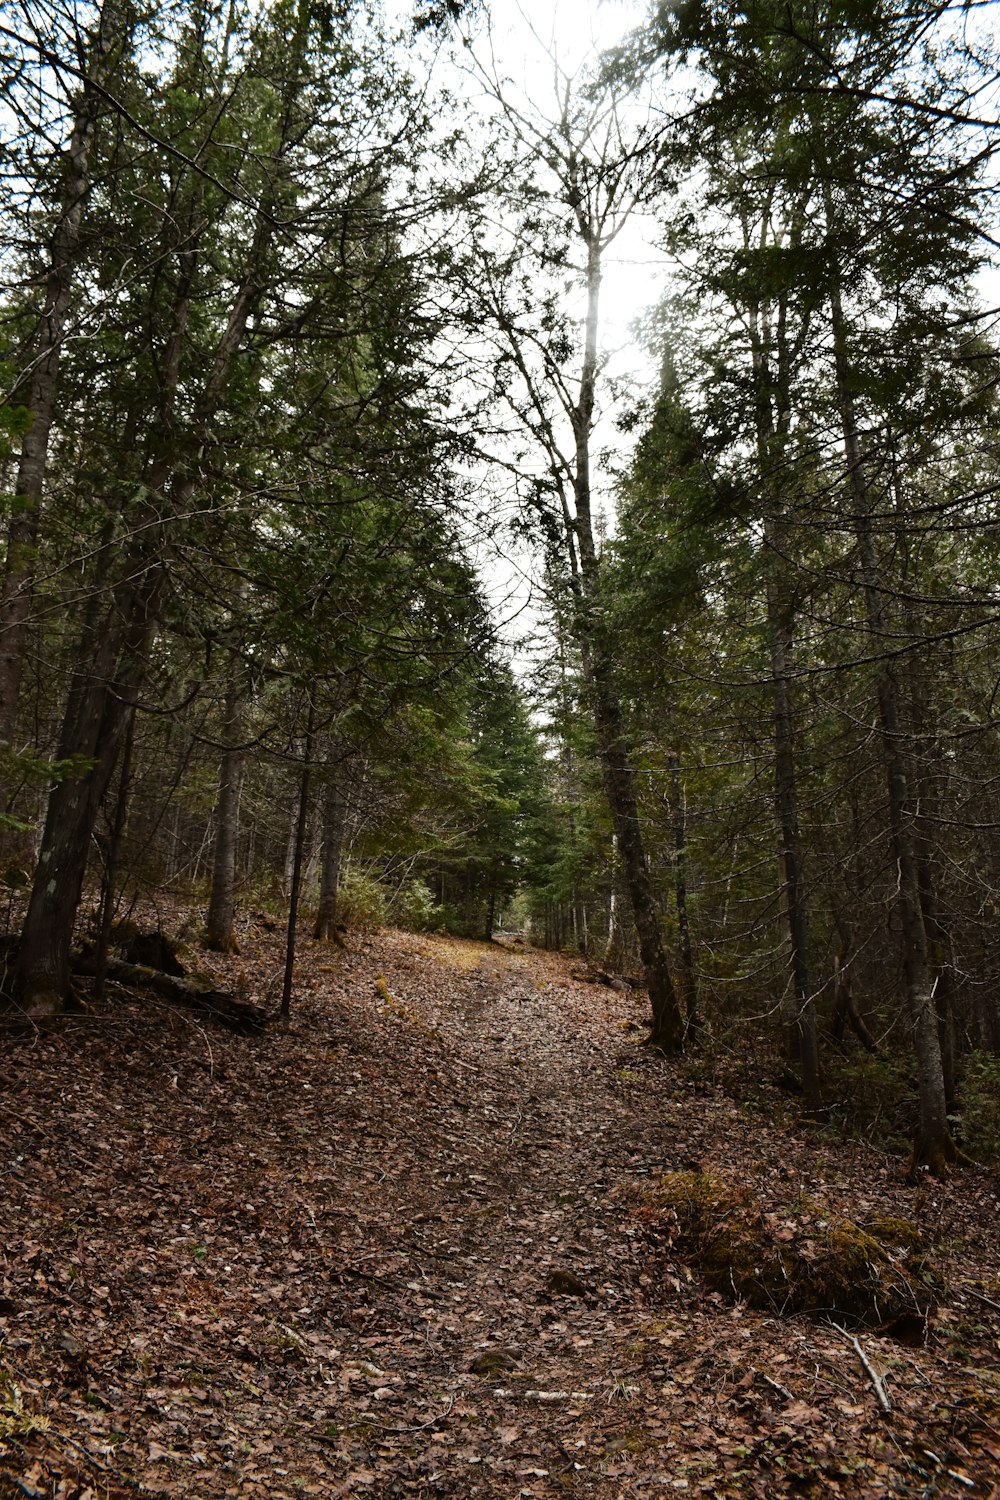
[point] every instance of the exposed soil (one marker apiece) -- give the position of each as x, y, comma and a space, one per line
394, 1252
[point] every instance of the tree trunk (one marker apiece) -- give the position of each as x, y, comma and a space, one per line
770, 360
491, 913
845, 1010
680, 897
786, 809
221, 905
300, 840
925, 753
22, 534
939, 956
334, 819
667, 1029
614, 751
934, 1146
102, 694
613, 948
113, 858
98, 708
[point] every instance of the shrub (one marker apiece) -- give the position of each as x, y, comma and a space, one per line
414, 908
875, 1098
979, 1098
361, 901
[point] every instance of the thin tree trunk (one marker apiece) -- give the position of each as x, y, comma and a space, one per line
786, 809
300, 840
580, 922
614, 751
935, 926
769, 342
845, 1010
334, 818
613, 946
222, 899
667, 1029
491, 914
934, 1146
680, 897
114, 859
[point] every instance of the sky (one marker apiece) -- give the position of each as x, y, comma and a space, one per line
524, 38
524, 33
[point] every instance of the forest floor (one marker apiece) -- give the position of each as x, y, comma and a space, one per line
393, 1251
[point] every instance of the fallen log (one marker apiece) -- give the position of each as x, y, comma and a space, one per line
599, 976
214, 1005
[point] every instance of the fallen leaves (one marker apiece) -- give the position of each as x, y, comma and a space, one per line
387, 1253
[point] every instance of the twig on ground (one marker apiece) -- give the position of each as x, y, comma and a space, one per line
877, 1382
395, 1286
980, 1298
422, 1426
775, 1385
557, 1395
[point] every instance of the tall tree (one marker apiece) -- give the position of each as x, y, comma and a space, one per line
880, 201
275, 198
94, 54
579, 176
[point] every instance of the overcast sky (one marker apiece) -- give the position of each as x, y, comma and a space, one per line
524, 33
524, 36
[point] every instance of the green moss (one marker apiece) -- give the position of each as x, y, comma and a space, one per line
695, 1199
493, 1362
794, 1258
897, 1232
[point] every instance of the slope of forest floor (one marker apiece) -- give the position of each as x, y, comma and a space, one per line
393, 1252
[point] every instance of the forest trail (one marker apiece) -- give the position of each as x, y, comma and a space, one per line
393, 1252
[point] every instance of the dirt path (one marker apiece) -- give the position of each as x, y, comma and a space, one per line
393, 1253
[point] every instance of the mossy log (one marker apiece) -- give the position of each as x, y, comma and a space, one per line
800, 1257
214, 1005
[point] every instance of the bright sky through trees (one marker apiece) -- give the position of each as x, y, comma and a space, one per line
530, 49
527, 40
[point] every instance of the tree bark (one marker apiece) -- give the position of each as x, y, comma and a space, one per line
296, 885
334, 821
491, 913
614, 750
786, 809
216, 1005
680, 897
845, 1010
99, 705
770, 362
113, 858
222, 899
613, 948
667, 1030
934, 1146
101, 695
22, 535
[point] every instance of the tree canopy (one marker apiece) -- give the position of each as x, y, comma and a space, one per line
302, 317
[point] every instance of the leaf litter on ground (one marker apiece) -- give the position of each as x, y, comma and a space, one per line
392, 1251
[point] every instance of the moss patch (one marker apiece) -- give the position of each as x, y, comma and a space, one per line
794, 1258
